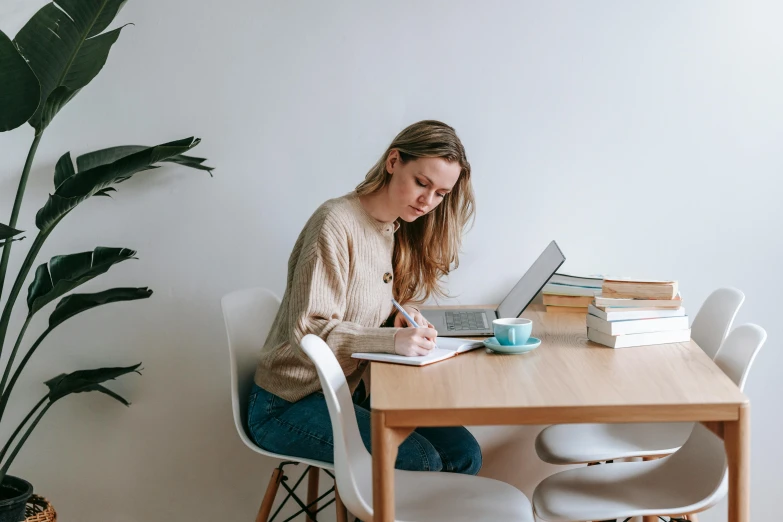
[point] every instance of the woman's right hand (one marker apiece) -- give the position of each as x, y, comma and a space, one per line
414, 341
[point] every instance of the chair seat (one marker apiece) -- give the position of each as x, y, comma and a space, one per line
584, 443
307, 462
624, 489
451, 497
253, 446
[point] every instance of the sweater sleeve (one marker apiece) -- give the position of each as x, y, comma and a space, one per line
318, 299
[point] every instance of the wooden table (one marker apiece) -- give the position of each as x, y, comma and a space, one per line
568, 379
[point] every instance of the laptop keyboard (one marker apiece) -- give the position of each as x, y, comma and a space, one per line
457, 321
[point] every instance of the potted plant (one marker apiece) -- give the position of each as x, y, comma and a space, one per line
57, 53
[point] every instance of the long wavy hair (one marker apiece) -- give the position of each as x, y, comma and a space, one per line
428, 248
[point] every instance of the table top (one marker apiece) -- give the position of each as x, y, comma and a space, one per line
566, 379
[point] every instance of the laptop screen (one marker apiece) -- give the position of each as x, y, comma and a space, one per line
532, 282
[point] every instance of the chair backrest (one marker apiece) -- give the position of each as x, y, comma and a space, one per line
739, 350
352, 461
700, 466
713, 321
248, 314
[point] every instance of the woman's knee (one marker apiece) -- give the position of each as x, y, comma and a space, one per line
458, 448
417, 454
470, 463
469, 458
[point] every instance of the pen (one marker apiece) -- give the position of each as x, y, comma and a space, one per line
404, 313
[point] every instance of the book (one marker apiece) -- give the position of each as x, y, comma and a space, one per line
572, 280
636, 326
603, 302
445, 348
567, 309
640, 339
567, 300
558, 289
639, 289
625, 314
609, 309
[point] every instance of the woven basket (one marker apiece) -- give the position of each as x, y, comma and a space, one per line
38, 509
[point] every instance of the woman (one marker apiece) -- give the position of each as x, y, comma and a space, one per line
394, 236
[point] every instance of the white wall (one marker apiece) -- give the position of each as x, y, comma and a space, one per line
644, 137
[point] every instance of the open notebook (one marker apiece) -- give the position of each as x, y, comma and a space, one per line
445, 347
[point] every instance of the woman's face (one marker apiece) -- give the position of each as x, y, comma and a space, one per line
417, 187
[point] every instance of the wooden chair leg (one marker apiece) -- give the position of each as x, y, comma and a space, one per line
269, 496
312, 489
342, 513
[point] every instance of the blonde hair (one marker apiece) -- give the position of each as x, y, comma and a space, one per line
426, 249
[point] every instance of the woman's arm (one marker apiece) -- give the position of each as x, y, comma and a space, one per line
318, 300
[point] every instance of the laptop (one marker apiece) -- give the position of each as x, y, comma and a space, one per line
466, 323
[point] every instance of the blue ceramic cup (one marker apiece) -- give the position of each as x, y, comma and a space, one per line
512, 331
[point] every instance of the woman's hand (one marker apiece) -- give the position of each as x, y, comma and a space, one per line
401, 322
414, 341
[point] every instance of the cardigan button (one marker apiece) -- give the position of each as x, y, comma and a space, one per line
387, 277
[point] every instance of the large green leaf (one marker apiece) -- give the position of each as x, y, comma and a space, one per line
64, 273
62, 386
105, 192
63, 170
73, 304
113, 395
104, 156
80, 186
56, 101
6, 233
86, 381
20, 91
64, 46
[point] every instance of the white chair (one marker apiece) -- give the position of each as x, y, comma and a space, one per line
713, 322
693, 479
588, 443
419, 496
248, 315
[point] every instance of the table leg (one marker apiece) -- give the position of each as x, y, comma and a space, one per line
737, 441
385, 442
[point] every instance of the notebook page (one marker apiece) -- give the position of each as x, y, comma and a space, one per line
457, 344
437, 354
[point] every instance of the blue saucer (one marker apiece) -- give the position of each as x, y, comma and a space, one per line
493, 344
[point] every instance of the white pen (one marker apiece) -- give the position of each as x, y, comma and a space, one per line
404, 313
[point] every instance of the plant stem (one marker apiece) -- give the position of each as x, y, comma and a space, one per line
11, 458
6, 395
15, 212
20, 277
13, 354
19, 428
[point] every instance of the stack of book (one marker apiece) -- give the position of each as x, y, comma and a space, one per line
637, 313
569, 293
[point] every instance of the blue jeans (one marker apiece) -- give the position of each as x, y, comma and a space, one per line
303, 429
